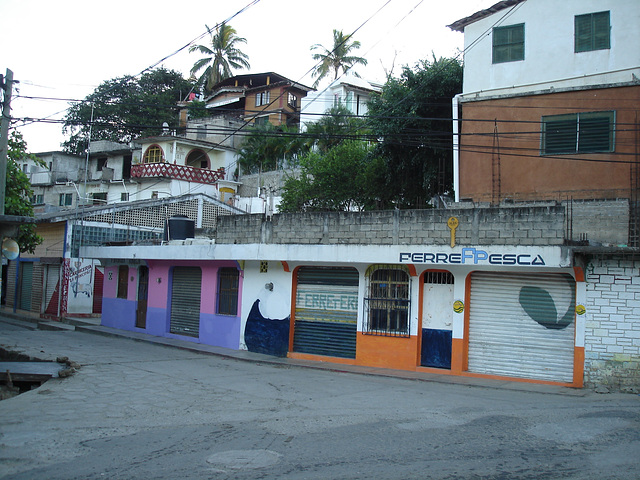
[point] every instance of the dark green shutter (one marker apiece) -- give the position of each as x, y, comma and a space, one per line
26, 282
185, 301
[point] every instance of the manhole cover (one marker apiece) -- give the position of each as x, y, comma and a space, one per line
241, 459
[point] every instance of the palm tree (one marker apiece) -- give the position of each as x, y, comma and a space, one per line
222, 56
337, 58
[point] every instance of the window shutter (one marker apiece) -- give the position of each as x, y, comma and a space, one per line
583, 33
601, 30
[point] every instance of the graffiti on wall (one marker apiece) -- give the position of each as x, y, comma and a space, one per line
80, 279
266, 335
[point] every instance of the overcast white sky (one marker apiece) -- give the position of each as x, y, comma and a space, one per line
66, 48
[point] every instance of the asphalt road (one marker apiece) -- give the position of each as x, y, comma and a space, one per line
141, 411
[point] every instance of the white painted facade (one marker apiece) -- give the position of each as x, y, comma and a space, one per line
549, 59
349, 91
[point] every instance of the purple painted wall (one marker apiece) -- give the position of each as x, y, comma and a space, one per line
216, 330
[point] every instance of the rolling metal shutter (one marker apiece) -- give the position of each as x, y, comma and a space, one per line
326, 311
26, 281
522, 325
185, 301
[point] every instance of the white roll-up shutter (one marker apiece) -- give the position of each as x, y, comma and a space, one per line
522, 325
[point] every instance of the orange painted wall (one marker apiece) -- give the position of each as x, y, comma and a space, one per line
397, 353
524, 173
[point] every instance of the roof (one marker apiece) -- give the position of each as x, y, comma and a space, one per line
253, 80
463, 22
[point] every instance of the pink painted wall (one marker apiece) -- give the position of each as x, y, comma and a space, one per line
110, 286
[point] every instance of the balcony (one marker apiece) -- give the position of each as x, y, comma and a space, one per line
177, 172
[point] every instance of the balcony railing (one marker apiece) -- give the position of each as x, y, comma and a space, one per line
178, 172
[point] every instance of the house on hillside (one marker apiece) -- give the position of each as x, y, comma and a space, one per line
549, 111
348, 91
258, 98
548, 103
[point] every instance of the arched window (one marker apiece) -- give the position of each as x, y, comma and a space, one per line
387, 305
154, 154
198, 159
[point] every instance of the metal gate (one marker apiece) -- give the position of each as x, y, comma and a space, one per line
98, 284
185, 301
326, 311
26, 282
522, 325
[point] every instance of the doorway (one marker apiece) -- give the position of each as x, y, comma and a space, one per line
143, 293
437, 318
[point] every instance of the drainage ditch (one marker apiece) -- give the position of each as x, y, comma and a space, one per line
20, 373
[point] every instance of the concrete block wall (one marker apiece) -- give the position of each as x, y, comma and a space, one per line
612, 333
477, 226
601, 222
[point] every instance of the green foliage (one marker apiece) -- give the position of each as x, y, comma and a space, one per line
342, 179
126, 108
412, 119
269, 147
18, 192
221, 56
337, 58
335, 126
197, 109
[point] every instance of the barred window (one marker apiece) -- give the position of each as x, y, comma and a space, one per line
387, 306
228, 280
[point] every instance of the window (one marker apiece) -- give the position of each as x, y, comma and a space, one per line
37, 199
508, 43
123, 281
66, 199
102, 162
578, 133
592, 32
262, 98
99, 198
154, 154
292, 100
228, 291
262, 120
124, 197
387, 306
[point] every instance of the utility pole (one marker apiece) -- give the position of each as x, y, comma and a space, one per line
7, 85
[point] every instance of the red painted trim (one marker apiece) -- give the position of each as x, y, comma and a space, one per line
285, 266
579, 274
292, 317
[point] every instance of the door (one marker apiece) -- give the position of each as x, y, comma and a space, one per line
26, 283
437, 317
185, 301
326, 311
52, 290
522, 325
98, 284
143, 289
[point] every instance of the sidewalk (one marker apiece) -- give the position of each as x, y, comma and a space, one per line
92, 326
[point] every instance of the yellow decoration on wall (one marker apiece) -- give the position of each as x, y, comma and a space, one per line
458, 306
580, 310
453, 223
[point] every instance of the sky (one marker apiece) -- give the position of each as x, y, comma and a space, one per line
63, 49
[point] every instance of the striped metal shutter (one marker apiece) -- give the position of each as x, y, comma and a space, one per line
522, 325
326, 311
26, 281
185, 301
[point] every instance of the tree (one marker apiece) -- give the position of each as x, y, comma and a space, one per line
336, 125
18, 191
221, 56
336, 59
411, 117
126, 108
342, 179
268, 147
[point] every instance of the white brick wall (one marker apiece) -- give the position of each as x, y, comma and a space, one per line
612, 327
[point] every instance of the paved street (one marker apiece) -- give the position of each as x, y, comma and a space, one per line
139, 410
